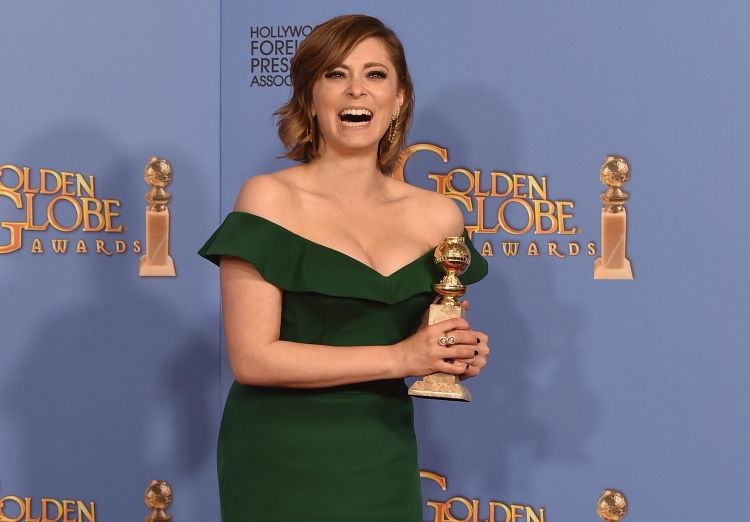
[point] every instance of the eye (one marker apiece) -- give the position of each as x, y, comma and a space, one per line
335, 74
377, 73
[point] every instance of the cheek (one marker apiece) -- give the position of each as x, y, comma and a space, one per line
319, 97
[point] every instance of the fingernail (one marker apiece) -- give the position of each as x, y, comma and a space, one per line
477, 340
467, 366
476, 352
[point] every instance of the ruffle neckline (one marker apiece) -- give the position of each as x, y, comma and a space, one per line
297, 264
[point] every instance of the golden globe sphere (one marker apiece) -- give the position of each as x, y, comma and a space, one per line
615, 172
612, 505
158, 495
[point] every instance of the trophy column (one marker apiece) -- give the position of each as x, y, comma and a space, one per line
613, 264
157, 261
454, 258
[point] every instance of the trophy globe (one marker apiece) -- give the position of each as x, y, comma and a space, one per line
612, 505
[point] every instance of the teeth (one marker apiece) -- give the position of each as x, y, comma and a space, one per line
355, 123
356, 112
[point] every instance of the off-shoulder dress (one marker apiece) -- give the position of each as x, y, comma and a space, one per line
340, 454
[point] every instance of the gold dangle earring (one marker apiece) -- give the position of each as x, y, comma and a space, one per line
309, 126
394, 125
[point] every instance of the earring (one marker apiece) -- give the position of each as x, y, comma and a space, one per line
309, 125
394, 125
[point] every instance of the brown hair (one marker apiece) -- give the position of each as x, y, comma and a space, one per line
322, 50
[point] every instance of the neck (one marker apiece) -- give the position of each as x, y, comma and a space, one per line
353, 175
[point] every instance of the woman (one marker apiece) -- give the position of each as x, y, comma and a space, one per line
326, 274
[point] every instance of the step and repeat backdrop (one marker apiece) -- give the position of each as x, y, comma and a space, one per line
107, 379
129, 129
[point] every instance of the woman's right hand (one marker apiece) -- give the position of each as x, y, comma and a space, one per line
422, 354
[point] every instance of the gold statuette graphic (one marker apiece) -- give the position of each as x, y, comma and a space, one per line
158, 498
157, 261
613, 264
612, 505
453, 256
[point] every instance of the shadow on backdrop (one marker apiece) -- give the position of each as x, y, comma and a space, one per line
118, 386
531, 405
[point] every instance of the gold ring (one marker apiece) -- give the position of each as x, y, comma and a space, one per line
443, 341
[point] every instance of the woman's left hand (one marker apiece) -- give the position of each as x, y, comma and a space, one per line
479, 361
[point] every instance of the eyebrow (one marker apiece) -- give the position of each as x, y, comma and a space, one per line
367, 65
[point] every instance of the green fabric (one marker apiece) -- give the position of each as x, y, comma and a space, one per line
335, 454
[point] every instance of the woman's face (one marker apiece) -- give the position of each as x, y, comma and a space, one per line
355, 101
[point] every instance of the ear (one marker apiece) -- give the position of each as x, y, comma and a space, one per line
400, 99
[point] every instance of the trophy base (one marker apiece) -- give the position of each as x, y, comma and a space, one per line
441, 386
165, 270
603, 272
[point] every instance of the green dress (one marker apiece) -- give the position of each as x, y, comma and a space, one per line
340, 454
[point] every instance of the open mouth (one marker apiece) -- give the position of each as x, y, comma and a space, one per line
355, 117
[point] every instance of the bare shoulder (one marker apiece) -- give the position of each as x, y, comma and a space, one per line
444, 212
267, 195
438, 212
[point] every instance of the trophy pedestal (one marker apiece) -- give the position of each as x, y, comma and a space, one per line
442, 385
603, 272
157, 261
165, 270
613, 264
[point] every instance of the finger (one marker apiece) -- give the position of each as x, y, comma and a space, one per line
448, 325
474, 369
482, 350
454, 367
465, 305
483, 338
469, 373
458, 353
476, 357
464, 337
478, 361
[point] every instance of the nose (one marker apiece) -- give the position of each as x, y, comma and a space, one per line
356, 87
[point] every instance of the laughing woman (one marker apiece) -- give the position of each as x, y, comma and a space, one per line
326, 274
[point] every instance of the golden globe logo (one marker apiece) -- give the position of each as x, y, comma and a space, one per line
61, 195
16, 509
526, 192
448, 510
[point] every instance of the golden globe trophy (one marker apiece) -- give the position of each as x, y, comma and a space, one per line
158, 498
157, 261
612, 505
613, 264
453, 256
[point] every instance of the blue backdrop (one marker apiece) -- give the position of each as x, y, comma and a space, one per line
108, 380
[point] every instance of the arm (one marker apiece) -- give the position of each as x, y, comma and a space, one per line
252, 318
